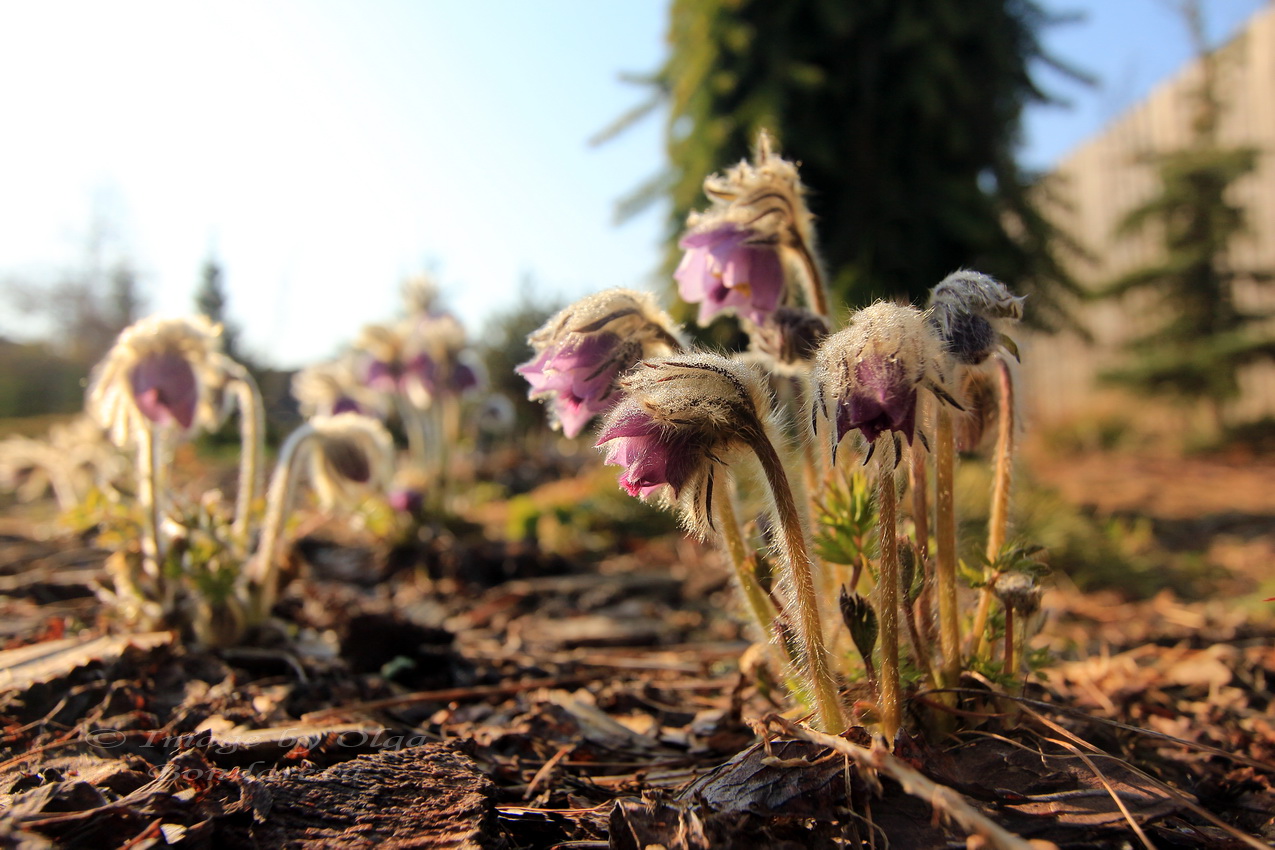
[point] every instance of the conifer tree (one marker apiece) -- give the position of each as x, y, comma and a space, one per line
1202, 338
904, 116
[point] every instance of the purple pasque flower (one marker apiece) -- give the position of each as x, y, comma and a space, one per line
724, 269
165, 388
867, 376
582, 350
652, 454
577, 376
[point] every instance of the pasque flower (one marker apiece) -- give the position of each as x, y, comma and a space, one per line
584, 348
160, 372
867, 376
738, 250
681, 420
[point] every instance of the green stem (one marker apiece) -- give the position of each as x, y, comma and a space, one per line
945, 548
745, 568
801, 577
889, 704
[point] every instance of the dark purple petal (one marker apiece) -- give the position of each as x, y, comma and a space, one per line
383, 377
883, 400
165, 389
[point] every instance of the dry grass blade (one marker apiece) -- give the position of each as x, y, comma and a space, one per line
942, 798
1114, 724
1185, 801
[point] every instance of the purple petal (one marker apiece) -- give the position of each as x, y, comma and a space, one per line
165, 389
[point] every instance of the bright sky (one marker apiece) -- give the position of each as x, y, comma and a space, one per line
325, 150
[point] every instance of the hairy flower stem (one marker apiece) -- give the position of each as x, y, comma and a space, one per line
945, 549
745, 568
252, 435
888, 702
999, 520
149, 490
413, 430
263, 570
816, 290
827, 700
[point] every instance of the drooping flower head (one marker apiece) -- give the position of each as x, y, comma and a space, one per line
964, 306
737, 251
160, 373
584, 348
680, 422
351, 454
867, 376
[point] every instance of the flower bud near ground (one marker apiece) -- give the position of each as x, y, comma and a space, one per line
352, 454
582, 350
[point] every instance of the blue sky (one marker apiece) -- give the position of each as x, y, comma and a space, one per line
327, 149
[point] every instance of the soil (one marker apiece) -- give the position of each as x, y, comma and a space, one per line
462, 692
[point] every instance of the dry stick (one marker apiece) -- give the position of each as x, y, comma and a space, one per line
888, 704
999, 519
945, 548
758, 603
801, 575
942, 798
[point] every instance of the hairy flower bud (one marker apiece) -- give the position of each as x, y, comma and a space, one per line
680, 422
790, 337
867, 376
963, 307
352, 454
583, 349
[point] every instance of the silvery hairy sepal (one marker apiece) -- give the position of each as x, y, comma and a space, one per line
582, 350
681, 423
964, 307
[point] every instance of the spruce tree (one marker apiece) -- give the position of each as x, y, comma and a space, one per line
1201, 337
